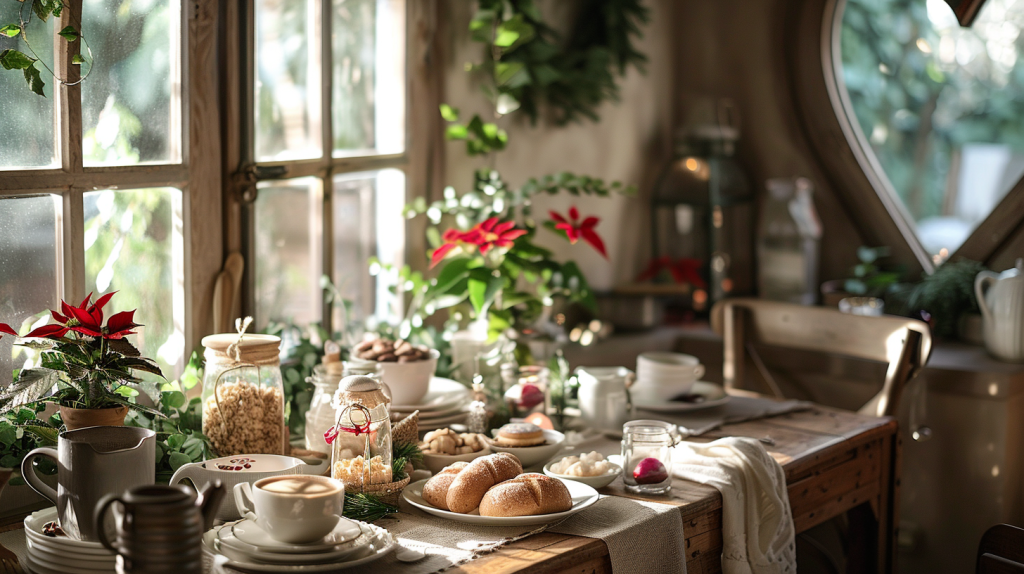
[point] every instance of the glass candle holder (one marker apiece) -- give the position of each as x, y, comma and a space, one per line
647, 456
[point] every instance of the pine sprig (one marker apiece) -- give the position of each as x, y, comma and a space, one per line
366, 507
409, 451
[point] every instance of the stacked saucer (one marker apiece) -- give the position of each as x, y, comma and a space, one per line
444, 404
249, 548
62, 554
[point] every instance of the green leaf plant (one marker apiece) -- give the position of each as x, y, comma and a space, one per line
16, 59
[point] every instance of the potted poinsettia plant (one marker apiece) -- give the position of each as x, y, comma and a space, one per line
86, 365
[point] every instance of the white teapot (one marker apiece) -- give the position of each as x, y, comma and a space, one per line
1002, 310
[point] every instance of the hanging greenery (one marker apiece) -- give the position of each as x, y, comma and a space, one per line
13, 59
532, 65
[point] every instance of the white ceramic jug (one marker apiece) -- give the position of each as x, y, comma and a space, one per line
1002, 310
604, 399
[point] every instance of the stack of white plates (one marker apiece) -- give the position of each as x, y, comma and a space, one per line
443, 405
249, 548
62, 554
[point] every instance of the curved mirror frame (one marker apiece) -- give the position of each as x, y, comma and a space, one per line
986, 237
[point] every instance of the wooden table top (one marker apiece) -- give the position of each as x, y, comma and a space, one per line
806, 443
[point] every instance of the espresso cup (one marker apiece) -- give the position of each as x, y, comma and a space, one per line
295, 508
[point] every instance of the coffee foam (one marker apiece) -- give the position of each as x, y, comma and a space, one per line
298, 485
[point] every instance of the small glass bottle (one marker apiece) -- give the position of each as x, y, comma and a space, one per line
478, 418
243, 394
320, 415
527, 388
647, 456
360, 439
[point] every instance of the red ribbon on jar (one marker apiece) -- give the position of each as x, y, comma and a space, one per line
356, 429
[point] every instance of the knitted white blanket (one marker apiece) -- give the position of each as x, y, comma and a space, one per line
757, 521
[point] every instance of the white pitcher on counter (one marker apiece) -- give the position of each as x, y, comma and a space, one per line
604, 397
1002, 311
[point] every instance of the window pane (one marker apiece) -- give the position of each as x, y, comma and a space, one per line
29, 266
368, 103
134, 245
289, 233
131, 100
27, 129
287, 79
940, 106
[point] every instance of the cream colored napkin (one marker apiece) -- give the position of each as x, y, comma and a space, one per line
757, 521
642, 537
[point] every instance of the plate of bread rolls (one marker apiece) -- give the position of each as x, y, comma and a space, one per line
493, 490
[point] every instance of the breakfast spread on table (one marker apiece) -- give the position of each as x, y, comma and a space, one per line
588, 464
495, 485
520, 435
446, 441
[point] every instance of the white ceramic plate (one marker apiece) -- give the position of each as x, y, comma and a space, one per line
582, 497
599, 481
381, 545
250, 533
42, 566
450, 419
34, 528
714, 396
457, 408
535, 455
52, 553
231, 546
443, 394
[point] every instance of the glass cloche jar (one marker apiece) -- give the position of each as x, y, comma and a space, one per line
360, 439
243, 394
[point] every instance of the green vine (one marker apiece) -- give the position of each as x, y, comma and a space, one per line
12, 59
531, 65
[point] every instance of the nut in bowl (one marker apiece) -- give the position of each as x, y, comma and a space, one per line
589, 468
406, 368
443, 447
523, 441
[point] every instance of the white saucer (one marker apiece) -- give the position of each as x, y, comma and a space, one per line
582, 497
380, 545
714, 396
250, 533
442, 394
230, 546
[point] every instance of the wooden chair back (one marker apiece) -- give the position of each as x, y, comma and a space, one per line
905, 344
1001, 551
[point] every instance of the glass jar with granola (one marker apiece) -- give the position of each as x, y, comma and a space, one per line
243, 394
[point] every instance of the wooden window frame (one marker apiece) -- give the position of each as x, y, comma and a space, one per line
814, 60
197, 174
243, 172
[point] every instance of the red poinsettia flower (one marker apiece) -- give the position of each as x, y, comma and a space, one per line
121, 324
485, 236
575, 229
5, 328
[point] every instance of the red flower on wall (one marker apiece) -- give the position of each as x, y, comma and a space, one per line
485, 236
575, 229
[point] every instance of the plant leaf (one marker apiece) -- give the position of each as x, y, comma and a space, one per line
140, 364
12, 59
78, 59
123, 347
178, 460
35, 81
449, 113
10, 30
32, 385
69, 33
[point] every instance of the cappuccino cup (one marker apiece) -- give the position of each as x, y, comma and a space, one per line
293, 509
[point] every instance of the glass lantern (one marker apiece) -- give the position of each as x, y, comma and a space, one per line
360, 439
243, 394
702, 217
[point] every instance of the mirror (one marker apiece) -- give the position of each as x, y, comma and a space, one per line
941, 108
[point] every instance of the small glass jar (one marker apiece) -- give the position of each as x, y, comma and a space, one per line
527, 388
647, 456
360, 439
320, 415
243, 394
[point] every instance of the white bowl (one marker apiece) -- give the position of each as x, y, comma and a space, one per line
599, 481
534, 455
435, 463
409, 382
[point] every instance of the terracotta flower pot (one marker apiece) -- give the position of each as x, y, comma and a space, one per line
82, 418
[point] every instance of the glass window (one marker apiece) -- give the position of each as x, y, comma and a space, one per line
289, 235
29, 263
27, 126
134, 245
287, 80
940, 108
131, 100
368, 102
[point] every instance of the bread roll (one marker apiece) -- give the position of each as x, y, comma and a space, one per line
526, 495
469, 486
435, 490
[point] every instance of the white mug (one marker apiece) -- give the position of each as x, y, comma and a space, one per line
293, 517
666, 375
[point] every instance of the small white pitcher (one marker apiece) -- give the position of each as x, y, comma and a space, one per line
605, 404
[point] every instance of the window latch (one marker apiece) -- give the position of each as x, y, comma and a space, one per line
251, 174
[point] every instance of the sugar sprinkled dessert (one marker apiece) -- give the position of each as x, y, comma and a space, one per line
587, 464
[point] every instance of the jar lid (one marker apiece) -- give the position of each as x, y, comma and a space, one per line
361, 389
255, 348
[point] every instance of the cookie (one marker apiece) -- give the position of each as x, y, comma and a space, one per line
520, 434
